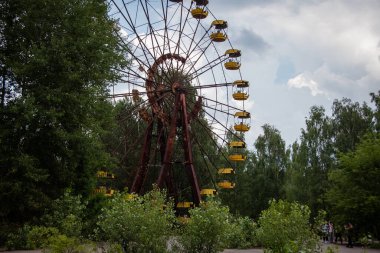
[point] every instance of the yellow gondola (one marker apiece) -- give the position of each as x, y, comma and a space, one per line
100, 189
232, 65
243, 115
219, 24
240, 95
109, 192
237, 158
201, 2
237, 144
241, 83
183, 219
199, 13
226, 184
218, 37
224, 171
241, 127
105, 174
208, 192
130, 196
103, 190
233, 53
185, 204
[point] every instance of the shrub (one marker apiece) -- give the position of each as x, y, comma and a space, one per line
139, 224
242, 233
207, 229
38, 237
64, 244
284, 227
18, 239
66, 214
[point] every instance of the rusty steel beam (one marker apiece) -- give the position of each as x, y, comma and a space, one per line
144, 159
188, 153
169, 144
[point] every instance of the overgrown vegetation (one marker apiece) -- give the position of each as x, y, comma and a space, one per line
57, 60
140, 224
284, 227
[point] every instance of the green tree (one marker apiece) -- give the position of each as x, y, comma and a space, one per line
375, 98
350, 122
312, 159
354, 194
61, 55
269, 165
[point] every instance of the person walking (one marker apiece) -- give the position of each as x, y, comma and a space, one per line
350, 231
331, 232
325, 232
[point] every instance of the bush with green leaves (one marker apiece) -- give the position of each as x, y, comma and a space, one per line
39, 236
207, 230
141, 224
65, 244
66, 214
18, 239
284, 227
242, 233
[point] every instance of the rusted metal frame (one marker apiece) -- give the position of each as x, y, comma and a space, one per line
132, 26
189, 166
169, 144
204, 154
142, 171
222, 125
153, 33
172, 191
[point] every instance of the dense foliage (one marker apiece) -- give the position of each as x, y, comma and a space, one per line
311, 170
207, 230
284, 227
354, 192
56, 60
140, 224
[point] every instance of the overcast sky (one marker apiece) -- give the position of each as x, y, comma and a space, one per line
301, 53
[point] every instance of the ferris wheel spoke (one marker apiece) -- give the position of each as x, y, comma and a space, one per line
221, 124
214, 142
202, 53
182, 28
207, 86
224, 104
131, 52
204, 155
153, 32
205, 70
130, 23
144, 47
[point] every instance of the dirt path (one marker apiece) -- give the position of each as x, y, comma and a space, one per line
342, 249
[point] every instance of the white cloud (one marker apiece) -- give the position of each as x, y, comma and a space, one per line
302, 81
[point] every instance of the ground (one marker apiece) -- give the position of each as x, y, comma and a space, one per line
342, 249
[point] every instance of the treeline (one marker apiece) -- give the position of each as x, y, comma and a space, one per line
57, 128
57, 60
333, 166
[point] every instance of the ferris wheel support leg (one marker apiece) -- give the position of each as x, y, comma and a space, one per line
141, 172
169, 146
188, 153
172, 191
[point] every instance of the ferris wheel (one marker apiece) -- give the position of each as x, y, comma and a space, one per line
183, 76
